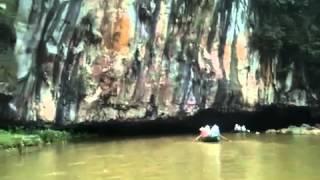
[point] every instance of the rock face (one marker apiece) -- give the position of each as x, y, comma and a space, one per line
304, 129
76, 60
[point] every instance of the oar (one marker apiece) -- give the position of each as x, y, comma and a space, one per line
224, 138
197, 138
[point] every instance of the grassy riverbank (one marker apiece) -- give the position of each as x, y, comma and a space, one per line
23, 138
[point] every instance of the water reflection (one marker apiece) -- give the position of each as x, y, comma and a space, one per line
249, 158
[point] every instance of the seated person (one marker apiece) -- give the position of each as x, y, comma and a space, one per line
215, 132
204, 132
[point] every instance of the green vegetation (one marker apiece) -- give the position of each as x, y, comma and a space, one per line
22, 138
283, 24
290, 31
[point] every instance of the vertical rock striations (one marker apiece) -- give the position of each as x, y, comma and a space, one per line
76, 60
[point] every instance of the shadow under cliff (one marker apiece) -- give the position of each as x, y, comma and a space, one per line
263, 118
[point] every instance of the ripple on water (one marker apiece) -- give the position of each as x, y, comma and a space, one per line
103, 156
104, 171
7, 177
57, 173
114, 177
77, 163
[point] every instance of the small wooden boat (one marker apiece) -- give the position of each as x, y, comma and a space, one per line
209, 139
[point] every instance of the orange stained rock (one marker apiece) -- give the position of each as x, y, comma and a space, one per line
242, 50
47, 107
121, 35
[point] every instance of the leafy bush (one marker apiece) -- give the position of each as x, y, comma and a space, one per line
19, 138
50, 136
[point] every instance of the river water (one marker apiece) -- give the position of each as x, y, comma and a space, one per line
251, 157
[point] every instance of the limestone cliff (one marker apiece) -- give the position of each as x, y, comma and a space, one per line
76, 60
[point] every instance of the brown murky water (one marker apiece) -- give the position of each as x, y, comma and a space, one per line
254, 157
